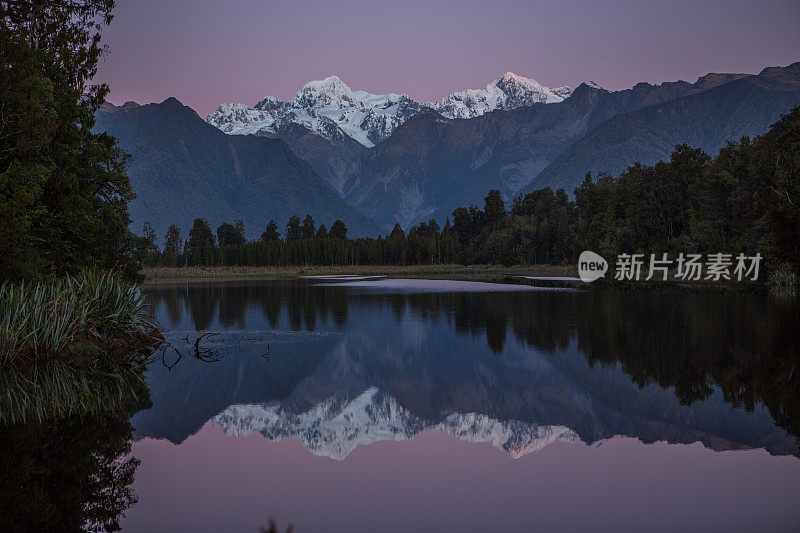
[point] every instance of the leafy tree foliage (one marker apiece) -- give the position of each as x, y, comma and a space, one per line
308, 230
338, 230
173, 245
743, 201
293, 229
63, 190
271, 233
200, 246
494, 208
148, 252
229, 235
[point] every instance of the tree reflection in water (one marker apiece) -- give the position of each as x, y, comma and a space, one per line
76, 472
70, 474
747, 346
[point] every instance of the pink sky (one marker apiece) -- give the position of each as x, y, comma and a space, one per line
433, 482
206, 52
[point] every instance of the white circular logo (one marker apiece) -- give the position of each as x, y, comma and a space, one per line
591, 266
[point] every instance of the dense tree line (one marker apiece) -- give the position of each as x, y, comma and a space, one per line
63, 190
536, 229
745, 200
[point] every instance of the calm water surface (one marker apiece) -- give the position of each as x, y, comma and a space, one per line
339, 408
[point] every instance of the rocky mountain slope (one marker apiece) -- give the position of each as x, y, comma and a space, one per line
183, 168
431, 165
725, 112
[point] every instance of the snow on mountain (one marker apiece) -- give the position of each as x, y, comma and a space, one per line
330, 108
324, 107
335, 427
508, 92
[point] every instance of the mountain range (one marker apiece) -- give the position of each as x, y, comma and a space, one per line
331, 109
183, 168
431, 165
725, 110
329, 124
374, 160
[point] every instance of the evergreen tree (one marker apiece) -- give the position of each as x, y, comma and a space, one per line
494, 208
293, 229
449, 246
462, 225
241, 237
271, 232
338, 230
201, 249
396, 246
63, 190
308, 230
150, 250
228, 235
173, 245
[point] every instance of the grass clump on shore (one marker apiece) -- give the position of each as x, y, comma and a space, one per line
76, 344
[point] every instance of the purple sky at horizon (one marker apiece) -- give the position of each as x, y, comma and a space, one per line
445, 484
205, 52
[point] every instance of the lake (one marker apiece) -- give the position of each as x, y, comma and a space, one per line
406, 406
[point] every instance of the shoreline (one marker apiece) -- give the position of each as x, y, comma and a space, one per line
560, 276
471, 272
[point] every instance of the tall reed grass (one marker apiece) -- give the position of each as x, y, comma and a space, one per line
75, 344
61, 318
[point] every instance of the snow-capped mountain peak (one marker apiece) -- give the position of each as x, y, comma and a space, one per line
507, 92
329, 84
330, 108
328, 92
325, 107
513, 81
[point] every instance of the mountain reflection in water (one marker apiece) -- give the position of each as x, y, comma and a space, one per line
347, 366
293, 367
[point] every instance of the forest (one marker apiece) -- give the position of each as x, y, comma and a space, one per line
744, 200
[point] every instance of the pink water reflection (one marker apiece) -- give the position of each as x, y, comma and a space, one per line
434, 482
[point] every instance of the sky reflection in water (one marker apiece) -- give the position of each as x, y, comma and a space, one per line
354, 408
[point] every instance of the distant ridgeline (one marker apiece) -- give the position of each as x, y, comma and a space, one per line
413, 162
744, 200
